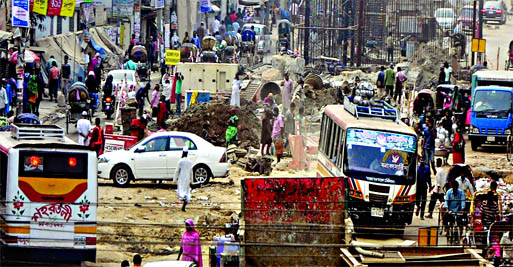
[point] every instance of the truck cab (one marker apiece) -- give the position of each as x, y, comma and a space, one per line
491, 115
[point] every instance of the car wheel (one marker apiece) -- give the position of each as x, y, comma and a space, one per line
121, 175
201, 175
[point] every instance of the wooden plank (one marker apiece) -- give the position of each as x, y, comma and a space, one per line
350, 259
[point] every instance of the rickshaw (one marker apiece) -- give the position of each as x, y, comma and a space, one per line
444, 96
484, 212
232, 44
78, 102
509, 61
207, 49
140, 56
423, 103
284, 30
188, 52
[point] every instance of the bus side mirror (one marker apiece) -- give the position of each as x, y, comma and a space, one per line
140, 149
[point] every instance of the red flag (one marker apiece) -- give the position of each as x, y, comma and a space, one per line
54, 8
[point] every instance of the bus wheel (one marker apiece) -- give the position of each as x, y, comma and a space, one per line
121, 176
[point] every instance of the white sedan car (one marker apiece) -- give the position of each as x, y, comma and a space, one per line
156, 157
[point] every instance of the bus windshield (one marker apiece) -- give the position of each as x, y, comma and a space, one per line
380, 156
492, 101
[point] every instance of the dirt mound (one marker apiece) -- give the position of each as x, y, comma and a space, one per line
216, 114
318, 99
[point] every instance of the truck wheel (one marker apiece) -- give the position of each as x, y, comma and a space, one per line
121, 175
474, 145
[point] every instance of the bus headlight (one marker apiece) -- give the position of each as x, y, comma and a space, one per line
507, 131
475, 130
103, 160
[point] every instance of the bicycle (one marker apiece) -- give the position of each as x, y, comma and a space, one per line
455, 226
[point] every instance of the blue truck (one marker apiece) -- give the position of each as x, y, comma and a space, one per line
492, 108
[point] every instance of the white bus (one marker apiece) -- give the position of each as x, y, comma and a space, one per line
49, 196
376, 155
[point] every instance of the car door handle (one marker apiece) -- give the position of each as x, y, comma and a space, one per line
162, 155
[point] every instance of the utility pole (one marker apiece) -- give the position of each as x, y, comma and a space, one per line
307, 32
481, 4
474, 17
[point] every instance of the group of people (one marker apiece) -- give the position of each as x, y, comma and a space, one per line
390, 83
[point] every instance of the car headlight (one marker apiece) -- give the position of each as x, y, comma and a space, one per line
103, 160
507, 131
475, 130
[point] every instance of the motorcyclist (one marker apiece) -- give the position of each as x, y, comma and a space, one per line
108, 87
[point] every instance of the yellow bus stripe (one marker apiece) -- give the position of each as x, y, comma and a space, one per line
52, 186
85, 229
21, 229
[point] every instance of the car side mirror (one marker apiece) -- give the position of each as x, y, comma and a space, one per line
140, 149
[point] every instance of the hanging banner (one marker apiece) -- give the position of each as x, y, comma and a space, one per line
40, 6
68, 8
20, 13
205, 6
54, 8
166, 36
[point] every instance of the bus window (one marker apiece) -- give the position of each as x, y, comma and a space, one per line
340, 152
3, 174
334, 144
322, 145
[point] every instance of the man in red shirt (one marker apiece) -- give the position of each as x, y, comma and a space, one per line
138, 128
97, 139
54, 81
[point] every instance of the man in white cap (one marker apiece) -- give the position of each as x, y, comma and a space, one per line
83, 128
183, 173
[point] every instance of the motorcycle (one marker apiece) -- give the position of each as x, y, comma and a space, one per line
108, 106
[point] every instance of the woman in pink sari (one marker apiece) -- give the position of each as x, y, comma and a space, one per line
191, 245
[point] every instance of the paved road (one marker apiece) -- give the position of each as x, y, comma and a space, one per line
497, 42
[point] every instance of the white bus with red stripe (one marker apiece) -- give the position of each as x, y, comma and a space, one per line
377, 155
49, 193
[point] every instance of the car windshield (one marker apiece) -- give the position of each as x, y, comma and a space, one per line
491, 5
120, 77
492, 101
380, 156
444, 13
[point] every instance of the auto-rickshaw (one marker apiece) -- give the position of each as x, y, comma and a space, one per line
140, 56
78, 102
188, 52
284, 30
207, 49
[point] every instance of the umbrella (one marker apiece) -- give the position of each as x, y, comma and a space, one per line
30, 57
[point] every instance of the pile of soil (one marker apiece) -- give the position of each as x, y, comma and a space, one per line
316, 100
217, 114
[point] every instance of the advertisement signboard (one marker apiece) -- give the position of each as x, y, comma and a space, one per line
20, 13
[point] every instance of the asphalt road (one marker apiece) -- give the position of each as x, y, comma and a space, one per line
497, 42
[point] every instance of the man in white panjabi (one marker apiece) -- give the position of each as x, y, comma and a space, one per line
83, 128
183, 173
